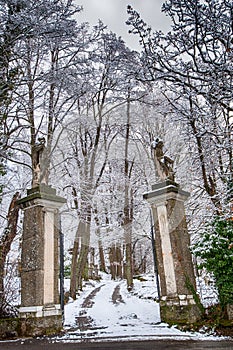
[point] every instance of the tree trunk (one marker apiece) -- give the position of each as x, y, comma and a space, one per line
81, 266
127, 222
74, 267
112, 260
79, 257
91, 267
5, 244
84, 228
101, 256
129, 263
102, 265
118, 261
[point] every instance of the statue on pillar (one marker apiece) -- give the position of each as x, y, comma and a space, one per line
164, 164
39, 163
174, 260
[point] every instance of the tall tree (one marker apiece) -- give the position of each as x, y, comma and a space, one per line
6, 240
94, 132
9, 34
47, 55
42, 48
194, 63
128, 198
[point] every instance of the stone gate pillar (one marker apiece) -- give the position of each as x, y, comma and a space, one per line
177, 280
40, 310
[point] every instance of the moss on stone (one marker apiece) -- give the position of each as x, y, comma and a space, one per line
30, 327
175, 314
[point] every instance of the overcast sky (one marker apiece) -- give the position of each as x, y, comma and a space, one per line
114, 14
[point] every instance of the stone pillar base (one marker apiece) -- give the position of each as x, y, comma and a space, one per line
181, 309
40, 311
40, 320
38, 326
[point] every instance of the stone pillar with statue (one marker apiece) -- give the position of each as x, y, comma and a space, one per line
178, 303
40, 311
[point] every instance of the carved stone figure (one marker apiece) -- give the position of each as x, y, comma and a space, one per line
164, 164
39, 163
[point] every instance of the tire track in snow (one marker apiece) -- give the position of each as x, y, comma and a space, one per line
83, 321
88, 301
109, 310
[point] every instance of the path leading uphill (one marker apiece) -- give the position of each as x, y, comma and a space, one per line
106, 316
109, 310
106, 310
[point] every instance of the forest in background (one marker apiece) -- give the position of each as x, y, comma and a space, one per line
98, 106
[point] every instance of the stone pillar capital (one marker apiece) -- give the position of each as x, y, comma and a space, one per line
44, 196
164, 191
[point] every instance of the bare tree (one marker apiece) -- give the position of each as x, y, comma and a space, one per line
95, 131
128, 205
44, 48
93, 136
6, 240
46, 56
193, 63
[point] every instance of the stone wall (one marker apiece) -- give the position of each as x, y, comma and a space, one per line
11, 328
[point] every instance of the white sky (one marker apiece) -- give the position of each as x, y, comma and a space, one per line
113, 13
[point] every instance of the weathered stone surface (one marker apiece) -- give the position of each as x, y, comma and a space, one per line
56, 257
173, 255
40, 192
9, 328
40, 311
173, 312
32, 288
30, 327
40, 265
37, 326
33, 239
230, 311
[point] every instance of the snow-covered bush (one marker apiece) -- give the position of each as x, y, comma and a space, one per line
215, 248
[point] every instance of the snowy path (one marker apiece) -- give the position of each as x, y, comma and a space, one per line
106, 310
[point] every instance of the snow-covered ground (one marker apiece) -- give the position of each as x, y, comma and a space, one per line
106, 310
